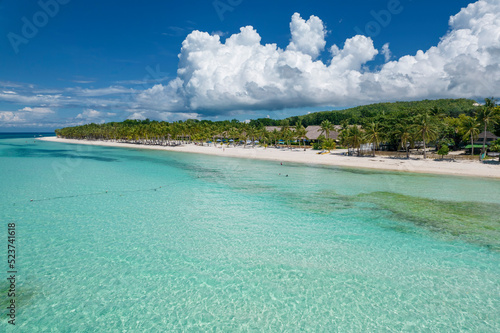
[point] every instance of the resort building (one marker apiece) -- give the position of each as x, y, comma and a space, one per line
478, 143
314, 132
489, 138
277, 128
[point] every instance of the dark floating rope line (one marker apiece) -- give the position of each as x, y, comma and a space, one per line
94, 194
101, 193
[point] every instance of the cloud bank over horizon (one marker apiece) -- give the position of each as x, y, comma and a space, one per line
241, 73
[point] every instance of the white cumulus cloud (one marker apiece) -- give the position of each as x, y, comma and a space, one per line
386, 52
37, 110
94, 115
241, 73
137, 116
9, 117
27, 116
89, 114
308, 37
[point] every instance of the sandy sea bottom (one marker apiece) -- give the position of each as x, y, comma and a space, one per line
129, 240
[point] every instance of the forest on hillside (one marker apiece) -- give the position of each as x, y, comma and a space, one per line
360, 114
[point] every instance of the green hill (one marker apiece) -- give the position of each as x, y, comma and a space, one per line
450, 107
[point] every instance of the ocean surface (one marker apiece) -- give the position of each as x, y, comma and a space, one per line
127, 240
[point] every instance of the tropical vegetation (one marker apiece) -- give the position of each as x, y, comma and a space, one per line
387, 126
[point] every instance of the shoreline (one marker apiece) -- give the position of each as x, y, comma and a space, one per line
414, 165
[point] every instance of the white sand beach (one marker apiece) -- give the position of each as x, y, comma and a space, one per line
414, 164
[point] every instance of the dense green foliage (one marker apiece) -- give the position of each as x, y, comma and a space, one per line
387, 126
444, 150
357, 115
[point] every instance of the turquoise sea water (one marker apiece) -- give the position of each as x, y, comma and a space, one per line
128, 240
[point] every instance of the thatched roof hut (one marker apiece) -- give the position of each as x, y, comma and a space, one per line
314, 132
278, 128
489, 137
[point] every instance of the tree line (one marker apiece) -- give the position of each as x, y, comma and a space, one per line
397, 129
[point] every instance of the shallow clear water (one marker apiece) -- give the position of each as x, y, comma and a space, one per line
131, 240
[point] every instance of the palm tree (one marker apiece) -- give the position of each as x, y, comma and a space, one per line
243, 136
287, 136
235, 134
300, 132
426, 128
303, 136
344, 124
353, 137
404, 132
326, 127
437, 112
207, 134
470, 127
275, 134
374, 134
495, 146
216, 131
251, 132
487, 115
285, 124
264, 135
328, 144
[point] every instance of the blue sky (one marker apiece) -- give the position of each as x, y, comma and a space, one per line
95, 61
